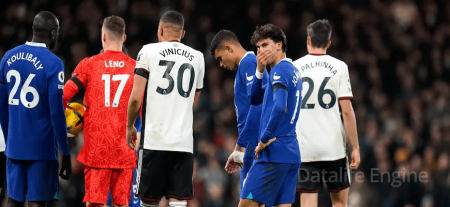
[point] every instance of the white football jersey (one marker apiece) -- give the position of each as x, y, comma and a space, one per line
320, 130
176, 71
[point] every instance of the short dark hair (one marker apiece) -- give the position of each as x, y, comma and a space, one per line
269, 31
320, 33
221, 37
116, 25
173, 17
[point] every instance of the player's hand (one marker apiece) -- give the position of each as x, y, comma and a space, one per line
261, 146
231, 166
355, 159
131, 137
262, 58
66, 168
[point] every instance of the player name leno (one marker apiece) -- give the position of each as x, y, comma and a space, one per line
317, 64
114, 64
28, 57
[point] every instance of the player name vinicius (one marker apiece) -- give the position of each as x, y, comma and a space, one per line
25, 56
177, 51
319, 64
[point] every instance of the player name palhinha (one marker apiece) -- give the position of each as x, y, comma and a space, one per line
177, 51
25, 56
319, 64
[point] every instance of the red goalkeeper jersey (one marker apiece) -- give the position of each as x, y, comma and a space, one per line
108, 80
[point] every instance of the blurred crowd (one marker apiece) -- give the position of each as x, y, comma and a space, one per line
398, 53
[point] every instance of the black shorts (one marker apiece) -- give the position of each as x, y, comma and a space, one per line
334, 175
164, 173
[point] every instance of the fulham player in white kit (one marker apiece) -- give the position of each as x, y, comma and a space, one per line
171, 74
320, 131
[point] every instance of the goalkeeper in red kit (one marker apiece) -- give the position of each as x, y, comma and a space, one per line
108, 80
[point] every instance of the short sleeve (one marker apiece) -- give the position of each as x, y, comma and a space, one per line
279, 77
247, 70
55, 79
143, 60
345, 87
201, 73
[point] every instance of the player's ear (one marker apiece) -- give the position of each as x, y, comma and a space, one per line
308, 41
329, 44
124, 38
229, 49
52, 35
183, 32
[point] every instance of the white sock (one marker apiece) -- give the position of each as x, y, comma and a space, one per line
177, 204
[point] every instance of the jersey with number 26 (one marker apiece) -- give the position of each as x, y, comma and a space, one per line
108, 78
176, 71
320, 131
31, 73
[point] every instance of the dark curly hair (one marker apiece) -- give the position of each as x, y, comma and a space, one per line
269, 31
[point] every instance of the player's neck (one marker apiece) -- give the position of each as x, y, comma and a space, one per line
37, 39
317, 51
240, 53
171, 39
279, 57
112, 46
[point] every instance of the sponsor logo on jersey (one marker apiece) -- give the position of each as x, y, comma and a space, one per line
275, 76
249, 78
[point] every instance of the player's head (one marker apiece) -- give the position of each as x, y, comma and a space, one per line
171, 26
270, 37
224, 47
46, 28
113, 30
319, 34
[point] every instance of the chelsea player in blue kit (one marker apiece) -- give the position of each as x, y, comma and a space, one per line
226, 49
33, 79
272, 178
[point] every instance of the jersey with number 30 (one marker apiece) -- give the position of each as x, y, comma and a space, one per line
320, 131
175, 73
108, 78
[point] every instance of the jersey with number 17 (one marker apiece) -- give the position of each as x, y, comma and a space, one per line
108, 79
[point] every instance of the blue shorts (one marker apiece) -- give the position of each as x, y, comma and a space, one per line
271, 183
248, 162
32, 180
134, 201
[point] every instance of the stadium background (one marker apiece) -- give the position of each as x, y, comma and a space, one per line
398, 53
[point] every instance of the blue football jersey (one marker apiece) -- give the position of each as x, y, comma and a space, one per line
30, 74
285, 149
248, 133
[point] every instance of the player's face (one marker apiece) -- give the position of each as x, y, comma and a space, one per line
268, 44
224, 57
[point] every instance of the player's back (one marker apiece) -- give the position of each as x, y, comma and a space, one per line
176, 71
319, 128
29, 72
108, 79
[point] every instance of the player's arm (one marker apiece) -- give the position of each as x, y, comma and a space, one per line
280, 96
257, 91
200, 78
134, 103
348, 115
76, 83
4, 118
58, 118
